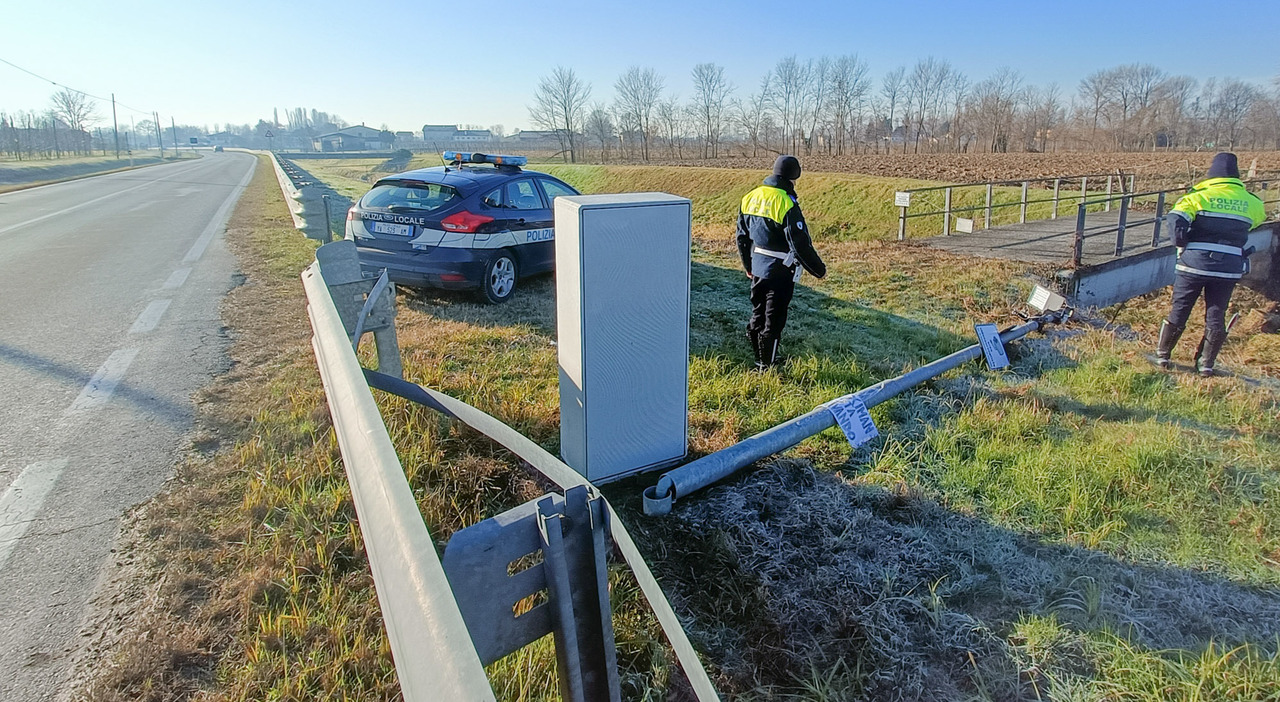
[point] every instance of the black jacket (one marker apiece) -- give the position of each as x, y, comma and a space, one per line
770, 218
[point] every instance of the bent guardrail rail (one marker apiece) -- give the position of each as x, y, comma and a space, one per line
434, 653
430, 645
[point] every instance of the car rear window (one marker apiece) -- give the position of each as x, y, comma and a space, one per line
419, 197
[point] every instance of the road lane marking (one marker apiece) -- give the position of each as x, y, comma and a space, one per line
218, 221
177, 278
99, 389
65, 210
150, 317
22, 501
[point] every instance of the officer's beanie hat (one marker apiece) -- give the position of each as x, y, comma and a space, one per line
787, 167
1224, 166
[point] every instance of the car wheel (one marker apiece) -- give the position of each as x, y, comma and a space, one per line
500, 276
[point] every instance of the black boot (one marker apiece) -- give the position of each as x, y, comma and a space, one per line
1169, 334
1209, 356
770, 350
754, 337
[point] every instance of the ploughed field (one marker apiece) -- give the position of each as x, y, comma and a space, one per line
969, 168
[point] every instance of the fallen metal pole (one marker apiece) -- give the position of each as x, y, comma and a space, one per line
682, 481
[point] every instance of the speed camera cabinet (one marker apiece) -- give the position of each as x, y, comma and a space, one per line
622, 320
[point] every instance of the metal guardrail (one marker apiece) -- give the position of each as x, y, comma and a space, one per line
433, 653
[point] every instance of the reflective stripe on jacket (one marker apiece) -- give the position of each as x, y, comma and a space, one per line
1220, 212
771, 219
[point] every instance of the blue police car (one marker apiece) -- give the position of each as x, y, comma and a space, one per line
480, 222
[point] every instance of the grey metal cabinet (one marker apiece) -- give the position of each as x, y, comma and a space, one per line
622, 322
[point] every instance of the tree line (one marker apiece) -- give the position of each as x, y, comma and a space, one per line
832, 105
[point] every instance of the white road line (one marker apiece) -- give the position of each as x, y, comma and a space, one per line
86, 203
218, 221
104, 382
177, 278
22, 501
150, 317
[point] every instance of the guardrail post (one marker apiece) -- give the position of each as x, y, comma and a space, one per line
946, 214
1107, 206
986, 222
328, 220
1022, 217
1155, 230
1124, 217
1078, 254
1057, 183
902, 223
361, 305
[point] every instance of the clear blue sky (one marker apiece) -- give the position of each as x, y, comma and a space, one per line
409, 63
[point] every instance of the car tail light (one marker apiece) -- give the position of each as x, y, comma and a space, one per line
464, 221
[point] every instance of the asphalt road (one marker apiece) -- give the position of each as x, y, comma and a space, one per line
109, 294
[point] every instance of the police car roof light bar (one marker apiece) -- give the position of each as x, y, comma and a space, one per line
460, 157
680, 482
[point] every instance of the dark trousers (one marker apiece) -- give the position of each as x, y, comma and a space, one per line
770, 298
1217, 295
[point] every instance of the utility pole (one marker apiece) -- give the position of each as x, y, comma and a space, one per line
175, 135
159, 136
115, 125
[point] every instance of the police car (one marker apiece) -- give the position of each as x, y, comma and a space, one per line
480, 222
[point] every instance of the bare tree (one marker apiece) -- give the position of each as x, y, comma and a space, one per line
710, 99
924, 90
599, 128
1095, 93
891, 87
848, 95
755, 118
994, 106
790, 99
76, 110
638, 92
559, 104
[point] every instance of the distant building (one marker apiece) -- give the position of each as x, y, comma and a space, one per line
532, 139
442, 135
357, 138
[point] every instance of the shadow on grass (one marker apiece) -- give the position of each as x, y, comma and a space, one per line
787, 573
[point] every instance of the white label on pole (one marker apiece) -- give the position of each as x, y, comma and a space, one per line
854, 419
964, 225
992, 346
901, 199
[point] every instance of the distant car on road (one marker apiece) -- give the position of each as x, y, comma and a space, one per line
481, 222
217, 148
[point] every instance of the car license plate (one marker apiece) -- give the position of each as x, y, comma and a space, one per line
396, 229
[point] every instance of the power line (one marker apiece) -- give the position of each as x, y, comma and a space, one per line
74, 90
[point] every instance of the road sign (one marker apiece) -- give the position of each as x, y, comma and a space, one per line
854, 420
195, 140
992, 346
268, 134
901, 199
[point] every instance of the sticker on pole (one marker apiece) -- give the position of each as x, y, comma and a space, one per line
992, 346
854, 419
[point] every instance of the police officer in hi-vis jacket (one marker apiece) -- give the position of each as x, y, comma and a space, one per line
1210, 226
774, 244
